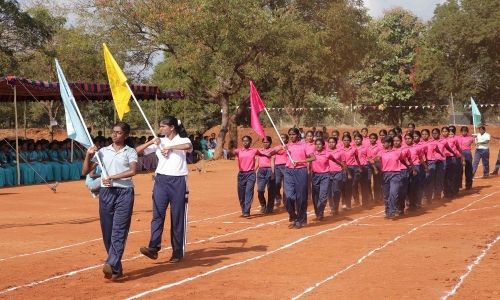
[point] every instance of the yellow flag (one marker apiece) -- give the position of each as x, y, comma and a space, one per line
117, 83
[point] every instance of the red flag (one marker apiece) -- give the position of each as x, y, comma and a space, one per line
256, 106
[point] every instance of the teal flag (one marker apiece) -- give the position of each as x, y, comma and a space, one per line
476, 115
75, 125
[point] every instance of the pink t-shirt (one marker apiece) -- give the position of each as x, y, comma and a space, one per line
440, 145
298, 151
264, 161
416, 152
321, 164
454, 143
350, 156
246, 158
281, 157
373, 151
466, 142
311, 147
339, 155
365, 142
446, 141
405, 154
363, 155
390, 160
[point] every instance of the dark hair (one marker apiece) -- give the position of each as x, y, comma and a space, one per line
268, 139
398, 136
409, 135
347, 136
418, 132
373, 134
464, 129
321, 141
452, 128
436, 130
445, 127
294, 130
336, 131
247, 137
382, 131
310, 131
389, 139
178, 126
398, 130
333, 138
123, 126
357, 135
364, 128
411, 124
426, 130
483, 128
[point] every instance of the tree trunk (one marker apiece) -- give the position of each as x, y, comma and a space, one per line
235, 119
221, 137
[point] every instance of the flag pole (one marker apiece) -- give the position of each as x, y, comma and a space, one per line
140, 109
277, 132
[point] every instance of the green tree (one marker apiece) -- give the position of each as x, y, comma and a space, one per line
459, 54
386, 77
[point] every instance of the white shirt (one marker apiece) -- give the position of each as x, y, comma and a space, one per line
481, 138
174, 164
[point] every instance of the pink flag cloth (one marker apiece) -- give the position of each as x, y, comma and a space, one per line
256, 106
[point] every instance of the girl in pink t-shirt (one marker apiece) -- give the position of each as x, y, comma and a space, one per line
338, 175
296, 179
266, 177
391, 162
321, 177
365, 182
466, 141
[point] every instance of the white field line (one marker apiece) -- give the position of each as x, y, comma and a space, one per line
100, 239
225, 267
375, 250
475, 263
74, 272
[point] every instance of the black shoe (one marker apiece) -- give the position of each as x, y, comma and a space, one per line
291, 225
107, 270
149, 252
246, 215
174, 260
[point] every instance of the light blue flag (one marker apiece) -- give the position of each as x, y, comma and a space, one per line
75, 125
476, 115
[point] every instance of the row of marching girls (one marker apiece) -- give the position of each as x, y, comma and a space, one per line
116, 195
39, 162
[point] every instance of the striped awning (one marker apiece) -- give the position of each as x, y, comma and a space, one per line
29, 89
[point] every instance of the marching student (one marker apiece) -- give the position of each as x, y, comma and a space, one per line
451, 152
390, 166
417, 157
366, 138
170, 187
423, 168
296, 179
353, 165
372, 152
381, 136
440, 161
404, 174
320, 168
466, 141
266, 177
280, 165
338, 175
365, 183
116, 195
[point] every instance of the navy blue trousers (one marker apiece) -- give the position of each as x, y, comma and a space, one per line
467, 164
169, 190
115, 213
415, 187
296, 181
246, 184
451, 176
439, 178
403, 189
391, 184
349, 185
264, 180
365, 183
484, 155
377, 183
337, 180
429, 180
320, 184
279, 171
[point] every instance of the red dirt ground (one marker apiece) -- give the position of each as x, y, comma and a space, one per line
50, 247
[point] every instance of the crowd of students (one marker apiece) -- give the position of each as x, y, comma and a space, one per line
404, 170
